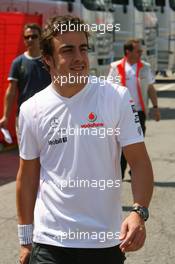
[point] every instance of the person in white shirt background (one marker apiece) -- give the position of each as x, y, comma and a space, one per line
137, 76
59, 191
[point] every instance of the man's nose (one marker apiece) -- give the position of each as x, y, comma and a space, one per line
77, 54
30, 38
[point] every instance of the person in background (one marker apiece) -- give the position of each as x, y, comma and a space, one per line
27, 74
137, 76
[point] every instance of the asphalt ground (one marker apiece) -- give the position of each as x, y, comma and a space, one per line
160, 142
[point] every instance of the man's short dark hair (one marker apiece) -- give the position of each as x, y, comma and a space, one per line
33, 26
129, 45
51, 29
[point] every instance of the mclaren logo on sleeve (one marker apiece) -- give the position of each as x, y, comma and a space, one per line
136, 116
139, 130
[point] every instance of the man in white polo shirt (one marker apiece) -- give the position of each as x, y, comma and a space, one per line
69, 179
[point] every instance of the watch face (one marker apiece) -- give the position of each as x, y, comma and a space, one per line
142, 211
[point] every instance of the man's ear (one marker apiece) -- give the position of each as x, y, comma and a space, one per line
48, 60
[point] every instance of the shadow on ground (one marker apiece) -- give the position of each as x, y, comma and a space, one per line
165, 184
167, 113
166, 94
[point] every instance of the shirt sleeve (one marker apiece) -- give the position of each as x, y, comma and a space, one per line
129, 124
151, 76
28, 145
113, 75
14, 71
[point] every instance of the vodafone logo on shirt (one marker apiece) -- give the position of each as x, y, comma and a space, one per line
92, 117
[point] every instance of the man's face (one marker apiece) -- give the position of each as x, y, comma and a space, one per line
136, 53
70, 55
31, 38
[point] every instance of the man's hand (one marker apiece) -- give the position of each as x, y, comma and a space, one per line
24, 254
156, 114
153, 96
133, 233
3, 122
10, 97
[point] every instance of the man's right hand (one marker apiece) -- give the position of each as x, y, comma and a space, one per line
3, 122
24, 254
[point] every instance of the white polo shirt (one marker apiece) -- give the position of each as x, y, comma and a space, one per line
79, 141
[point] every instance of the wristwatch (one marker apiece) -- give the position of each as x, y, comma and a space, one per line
142, 211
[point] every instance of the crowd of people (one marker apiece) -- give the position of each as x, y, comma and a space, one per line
62, 212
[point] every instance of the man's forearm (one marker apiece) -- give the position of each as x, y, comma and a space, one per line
25, 200
26, 191
8, 103
153, 95
142, 183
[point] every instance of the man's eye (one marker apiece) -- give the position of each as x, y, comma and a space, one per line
67, 50
84, 49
